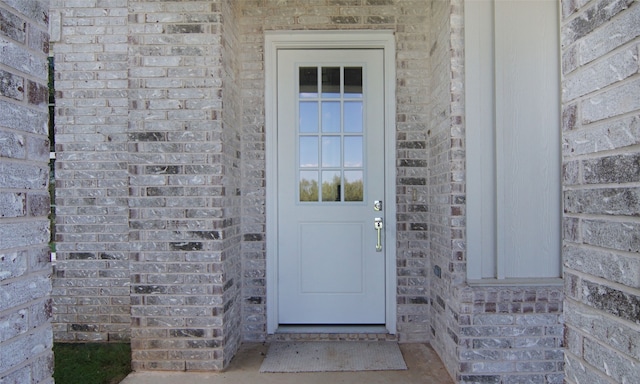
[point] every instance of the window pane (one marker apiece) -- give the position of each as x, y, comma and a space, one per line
330, 116
308, 151
331, 82
353, 116
308, 81
352, 82
353, 186
308, 116
353, 151
331, 151
331, 186
308, 186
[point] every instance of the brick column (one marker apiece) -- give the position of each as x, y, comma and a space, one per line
25, 271
184, 170
601, 162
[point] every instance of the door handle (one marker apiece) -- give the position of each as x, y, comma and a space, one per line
377, 224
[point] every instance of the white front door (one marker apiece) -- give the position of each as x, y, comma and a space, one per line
330, 162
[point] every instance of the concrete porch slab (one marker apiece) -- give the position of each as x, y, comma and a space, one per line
424, 367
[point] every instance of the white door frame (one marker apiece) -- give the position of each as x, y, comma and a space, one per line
274, 41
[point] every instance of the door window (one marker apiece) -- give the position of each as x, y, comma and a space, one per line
330, 134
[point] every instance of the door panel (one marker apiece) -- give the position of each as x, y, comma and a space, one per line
330, 170
318, 255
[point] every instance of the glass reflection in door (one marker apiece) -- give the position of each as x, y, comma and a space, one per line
330, 134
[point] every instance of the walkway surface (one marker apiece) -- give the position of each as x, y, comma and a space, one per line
424, 366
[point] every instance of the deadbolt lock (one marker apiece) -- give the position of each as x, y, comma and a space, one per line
377, 205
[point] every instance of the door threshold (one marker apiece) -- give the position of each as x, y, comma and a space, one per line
332, 329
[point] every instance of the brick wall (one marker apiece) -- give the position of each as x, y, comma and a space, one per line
131, 194
601, 152
91, 285
25, 271
162, 150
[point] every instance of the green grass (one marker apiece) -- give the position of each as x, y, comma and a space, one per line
91, 363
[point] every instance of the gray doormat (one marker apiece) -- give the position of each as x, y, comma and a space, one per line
333, 356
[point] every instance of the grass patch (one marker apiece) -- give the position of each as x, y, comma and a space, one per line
95, 363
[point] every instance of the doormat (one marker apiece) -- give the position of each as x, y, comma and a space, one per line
333, 356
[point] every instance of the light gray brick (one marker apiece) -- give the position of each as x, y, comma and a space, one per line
591, 18
601, 74
22, 118
610, 201
11, 85
616, 267
577, 371
15, 56
615, 334
24, 234
13, 204
19, 376
614, 235
614, 102
13, 324
36, 11
610, 36
614, 365
30, 346
609, 135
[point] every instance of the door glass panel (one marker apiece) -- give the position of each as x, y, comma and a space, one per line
308, 116
330, 81
353, 116
353, 82
309, 186
331, 134
352, 151
353, 186
330, 116
331, 151
308, 151
331, 186
308, 81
